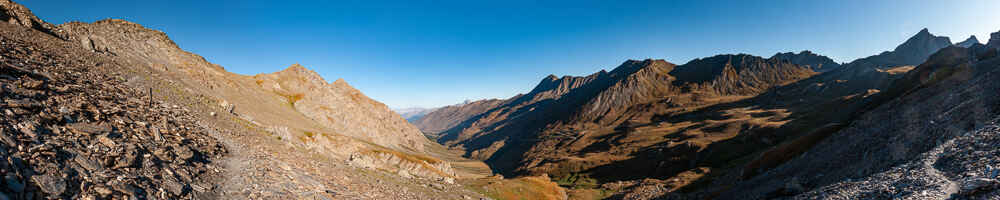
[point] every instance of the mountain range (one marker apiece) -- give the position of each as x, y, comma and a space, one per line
115, 110
709, 124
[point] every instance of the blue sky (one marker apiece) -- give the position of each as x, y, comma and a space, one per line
434, 53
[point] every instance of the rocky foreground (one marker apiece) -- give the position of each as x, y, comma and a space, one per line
73, 129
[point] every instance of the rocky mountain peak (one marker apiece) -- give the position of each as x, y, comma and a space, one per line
968, 42
301, 75
631, 66
913, 51
924, 31
551, 77
923, 43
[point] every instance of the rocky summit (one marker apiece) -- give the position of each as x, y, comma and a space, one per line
968, 42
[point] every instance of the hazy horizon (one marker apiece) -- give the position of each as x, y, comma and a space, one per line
431, 54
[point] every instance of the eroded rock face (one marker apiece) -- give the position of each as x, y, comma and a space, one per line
407, 167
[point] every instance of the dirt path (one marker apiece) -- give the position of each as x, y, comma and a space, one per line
950, 187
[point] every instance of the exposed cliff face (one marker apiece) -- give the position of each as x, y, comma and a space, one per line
816, 62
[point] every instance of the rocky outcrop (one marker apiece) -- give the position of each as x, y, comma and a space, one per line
406, 166
17, 14
816, 62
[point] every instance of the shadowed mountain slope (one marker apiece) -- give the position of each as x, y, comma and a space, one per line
937, 101
697, 123
529, 134
814, 61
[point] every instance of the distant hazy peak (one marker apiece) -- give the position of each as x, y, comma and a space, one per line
968, 42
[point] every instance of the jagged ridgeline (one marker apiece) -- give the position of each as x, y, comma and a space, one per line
114, 110
698, 129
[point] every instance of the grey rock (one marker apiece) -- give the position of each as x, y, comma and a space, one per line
49, 184
89, 128
127, 189
183, 153
103, 191
978, 185
173, 186
91, 165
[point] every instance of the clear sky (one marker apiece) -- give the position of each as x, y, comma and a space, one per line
434, 53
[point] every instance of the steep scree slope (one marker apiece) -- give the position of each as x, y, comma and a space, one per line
72, 128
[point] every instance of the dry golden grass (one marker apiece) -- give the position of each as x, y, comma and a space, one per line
588, 194
898, 70
522, 188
